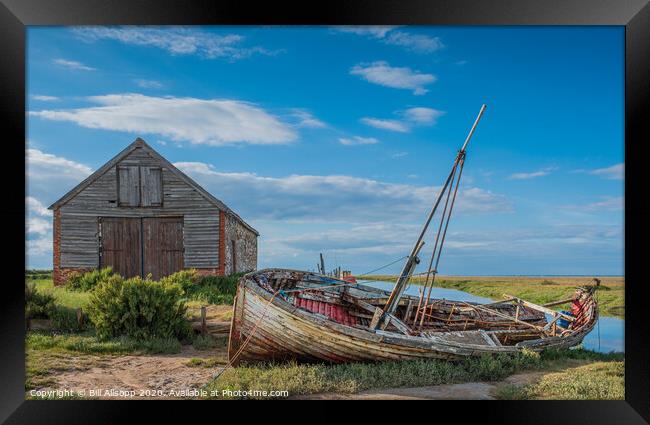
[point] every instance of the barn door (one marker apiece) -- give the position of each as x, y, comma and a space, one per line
163, 246
121, 244
139, 246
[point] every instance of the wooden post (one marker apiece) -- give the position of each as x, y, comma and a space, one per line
322, 264
204, 326
80, 318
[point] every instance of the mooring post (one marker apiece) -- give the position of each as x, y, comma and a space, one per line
204, 326
80, 318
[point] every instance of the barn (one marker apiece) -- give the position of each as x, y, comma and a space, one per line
141, 215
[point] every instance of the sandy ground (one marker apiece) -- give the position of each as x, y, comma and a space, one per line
465, 391
129, 377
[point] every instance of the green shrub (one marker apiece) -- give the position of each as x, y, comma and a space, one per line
89, 280
37, 304
184, 278
137, 308
548, 282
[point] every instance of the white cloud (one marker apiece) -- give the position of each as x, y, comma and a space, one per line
176, 41
38, 230
607, 203
411, 116
423, 115
44, 166
399, 154
615, 172
525, 176
389, 35
414, 42
214, 122
375, 31
44, 98
38, 225
383, 74
49, 177
39, 246
36, 207
148, 84
74, 65
357, 140
307, 119
392, 125
331, 198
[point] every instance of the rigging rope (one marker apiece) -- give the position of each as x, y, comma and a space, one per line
444, 219
435, 248
383, 267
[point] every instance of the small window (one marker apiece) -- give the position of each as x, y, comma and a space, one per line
139, 186
128, 182
151, 186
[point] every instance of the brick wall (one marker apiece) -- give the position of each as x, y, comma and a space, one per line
209, 272
56, 241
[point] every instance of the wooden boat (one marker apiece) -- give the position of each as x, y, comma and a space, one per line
293, 315
282, 314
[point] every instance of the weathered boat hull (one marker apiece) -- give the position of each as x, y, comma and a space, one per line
266, 327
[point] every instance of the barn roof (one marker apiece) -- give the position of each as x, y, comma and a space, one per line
139, 143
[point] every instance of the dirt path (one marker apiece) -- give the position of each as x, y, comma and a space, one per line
128, 377
465, 391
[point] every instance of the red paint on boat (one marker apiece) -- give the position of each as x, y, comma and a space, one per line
334, 312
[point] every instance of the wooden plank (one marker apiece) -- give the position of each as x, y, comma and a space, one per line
398, 324
541, 308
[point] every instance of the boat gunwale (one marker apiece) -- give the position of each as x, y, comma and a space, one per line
414, 341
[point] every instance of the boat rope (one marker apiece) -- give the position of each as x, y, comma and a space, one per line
445, 218
250, 335
433, 253
384, 266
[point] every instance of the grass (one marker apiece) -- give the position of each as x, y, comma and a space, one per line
300, 379
204, 342
89, 343
63, 296
611, 296
596, 381
207, 363
214, 289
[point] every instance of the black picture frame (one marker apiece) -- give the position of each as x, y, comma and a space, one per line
15, 15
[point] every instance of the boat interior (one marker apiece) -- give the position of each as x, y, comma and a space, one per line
502, 323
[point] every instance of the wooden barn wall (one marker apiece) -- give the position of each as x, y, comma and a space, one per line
79, 227
245, 245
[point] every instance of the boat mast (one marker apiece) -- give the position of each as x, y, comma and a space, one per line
413, 260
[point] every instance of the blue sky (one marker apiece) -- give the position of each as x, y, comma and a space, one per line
336, 139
